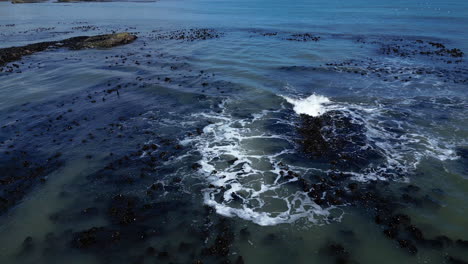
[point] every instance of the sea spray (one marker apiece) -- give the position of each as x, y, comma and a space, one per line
313, 105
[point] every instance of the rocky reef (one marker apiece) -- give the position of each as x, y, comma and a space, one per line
82, 42
334, 136
27, 1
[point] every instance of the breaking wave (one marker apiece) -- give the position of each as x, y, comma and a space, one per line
312, 105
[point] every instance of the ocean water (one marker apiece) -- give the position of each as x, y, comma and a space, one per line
203, 148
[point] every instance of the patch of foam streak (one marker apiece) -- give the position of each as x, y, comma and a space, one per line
255, 188
264, 218
401, 151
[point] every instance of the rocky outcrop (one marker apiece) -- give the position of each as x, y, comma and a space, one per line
100, 41
83, 42
27, 1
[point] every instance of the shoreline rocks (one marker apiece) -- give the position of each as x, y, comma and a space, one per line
27, 1
73, 1
76, 43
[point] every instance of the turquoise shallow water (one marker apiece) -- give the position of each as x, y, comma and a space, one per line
202, 154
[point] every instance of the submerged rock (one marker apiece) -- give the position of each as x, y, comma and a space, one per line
83, 42
19, 177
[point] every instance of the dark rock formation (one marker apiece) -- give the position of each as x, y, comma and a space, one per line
336, 137
27, 1
83, 42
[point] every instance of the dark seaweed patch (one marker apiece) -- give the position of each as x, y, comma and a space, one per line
188, 35
303, 37
289, 36
20, 173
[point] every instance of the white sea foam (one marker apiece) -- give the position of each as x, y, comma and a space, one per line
313, 105
249, 186
244, 177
